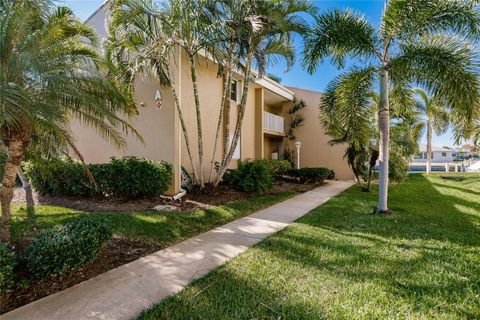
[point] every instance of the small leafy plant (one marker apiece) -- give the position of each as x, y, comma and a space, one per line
251, 176
61, 249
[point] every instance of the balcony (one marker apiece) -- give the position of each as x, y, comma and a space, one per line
273, 124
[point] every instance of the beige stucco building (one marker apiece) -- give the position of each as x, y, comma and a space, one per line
262, 133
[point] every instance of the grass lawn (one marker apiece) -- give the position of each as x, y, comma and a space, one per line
160, 228
340, 262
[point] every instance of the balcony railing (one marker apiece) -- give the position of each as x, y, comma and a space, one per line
273, 123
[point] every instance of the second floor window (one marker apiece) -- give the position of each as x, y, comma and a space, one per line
234, 90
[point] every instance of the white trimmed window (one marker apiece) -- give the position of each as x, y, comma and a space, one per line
235, 90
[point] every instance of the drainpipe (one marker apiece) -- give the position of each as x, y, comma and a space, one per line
179, 195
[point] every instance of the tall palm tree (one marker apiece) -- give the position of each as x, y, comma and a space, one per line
193, 31
348, 113
437, 119
140, 42
49, 73
419, 41
260, 32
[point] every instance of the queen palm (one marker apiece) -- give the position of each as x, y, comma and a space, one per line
49, 73
436, 116
258, 32
418, 41
141, 41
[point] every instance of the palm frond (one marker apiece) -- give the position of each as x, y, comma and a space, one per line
339, 35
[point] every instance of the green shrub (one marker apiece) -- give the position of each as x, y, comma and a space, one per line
251, 176
127, 177
305, 175
59, 177
276, 167
8, 262
132, 177
397, 168
63, 248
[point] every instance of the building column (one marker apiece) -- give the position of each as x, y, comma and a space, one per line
259, 136
175, 186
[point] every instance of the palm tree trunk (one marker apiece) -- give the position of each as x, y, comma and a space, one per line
384, 127
226, 83
429, 146
193, 74
16, 147
28, 192
185, 132
240, 117
226, 123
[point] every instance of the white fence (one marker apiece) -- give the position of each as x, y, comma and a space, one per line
272, 122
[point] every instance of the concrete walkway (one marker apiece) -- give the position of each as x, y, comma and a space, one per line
124, 292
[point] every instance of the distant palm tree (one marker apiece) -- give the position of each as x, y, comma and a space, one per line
419, 41
49, 73
437, 119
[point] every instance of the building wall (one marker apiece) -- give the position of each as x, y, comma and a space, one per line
316, 150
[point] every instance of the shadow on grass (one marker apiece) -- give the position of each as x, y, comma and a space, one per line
162, 228
341, 262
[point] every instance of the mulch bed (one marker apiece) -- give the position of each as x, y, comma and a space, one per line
192, 200
117, 251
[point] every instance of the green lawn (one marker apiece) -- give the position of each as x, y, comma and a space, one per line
340, 262
160, 228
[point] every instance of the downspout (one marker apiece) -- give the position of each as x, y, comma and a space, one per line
182, 192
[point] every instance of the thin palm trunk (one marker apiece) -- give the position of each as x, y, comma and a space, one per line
240, 117
226, 123
429, 146
185, 132
193, 74
384, 127
16, 148
28, 192
226, 83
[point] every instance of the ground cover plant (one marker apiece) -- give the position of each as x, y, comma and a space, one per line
340, 262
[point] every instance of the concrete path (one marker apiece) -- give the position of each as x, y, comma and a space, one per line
124, 292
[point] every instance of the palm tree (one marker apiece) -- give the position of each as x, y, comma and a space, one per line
193, 31
49, 73
260, 31
348, 113
436, 119
418, 41
140, 42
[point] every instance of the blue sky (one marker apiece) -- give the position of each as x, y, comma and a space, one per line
296, 77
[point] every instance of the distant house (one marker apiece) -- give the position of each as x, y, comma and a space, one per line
439, 154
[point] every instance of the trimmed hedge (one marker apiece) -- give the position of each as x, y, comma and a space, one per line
305, 175
63, 248
251, 176
8, 261
276, 167
129, 177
